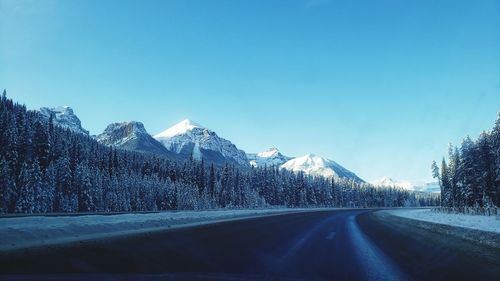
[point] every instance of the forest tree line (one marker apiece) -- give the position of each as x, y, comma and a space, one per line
470, 179
46, 168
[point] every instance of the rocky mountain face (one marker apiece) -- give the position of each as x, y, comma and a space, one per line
133, 136
315, 165
270, 157
188, 138
64, 117
428, 187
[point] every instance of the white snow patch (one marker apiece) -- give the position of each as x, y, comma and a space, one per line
311, 165
270, 157
269, 153
178, 129
196, 151
484, 223
188, 135
315, 165
33, 231
389, 182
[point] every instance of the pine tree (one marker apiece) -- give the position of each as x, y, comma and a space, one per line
63, 185
211, 181
37, 185
495, 143
468, 176
486, 169
48, 189
84, 187
24, 203
41, 143
453, 165
201, 176
7, 188
445, 186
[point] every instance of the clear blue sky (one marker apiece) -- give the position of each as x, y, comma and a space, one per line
379, 86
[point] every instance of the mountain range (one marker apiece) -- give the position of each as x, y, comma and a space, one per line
189, 139
432, 187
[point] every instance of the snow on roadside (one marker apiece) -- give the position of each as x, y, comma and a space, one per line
484, 223
33, 231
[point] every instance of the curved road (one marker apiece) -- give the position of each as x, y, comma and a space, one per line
326, 245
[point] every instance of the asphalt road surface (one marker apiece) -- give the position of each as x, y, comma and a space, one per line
326, 245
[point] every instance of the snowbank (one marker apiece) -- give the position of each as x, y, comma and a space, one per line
32, 231
484, 223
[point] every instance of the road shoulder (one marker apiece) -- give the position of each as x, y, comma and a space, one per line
428, 249
37, 231
434, 223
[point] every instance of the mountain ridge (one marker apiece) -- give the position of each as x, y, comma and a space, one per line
269, 157
65, 117
187, 139
314, 165
132, 136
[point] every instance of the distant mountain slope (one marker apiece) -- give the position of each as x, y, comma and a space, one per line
64, 117
432, 187
133, 136
314, 165
189, 138
389, 182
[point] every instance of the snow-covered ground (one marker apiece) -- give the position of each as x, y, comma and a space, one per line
485, 223
32, 231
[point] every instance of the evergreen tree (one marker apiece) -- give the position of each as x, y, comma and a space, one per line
445, 186
7, 188
486, 169
495, 143
468, 173
24, 203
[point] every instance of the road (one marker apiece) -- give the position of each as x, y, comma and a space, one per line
327, 245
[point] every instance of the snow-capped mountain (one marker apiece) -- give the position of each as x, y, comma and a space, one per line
132, 136
64, 117
189, 138
318, 166
389, 182
270, 157
432, 187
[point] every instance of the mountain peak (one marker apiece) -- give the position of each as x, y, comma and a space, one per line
389, 182
312, 159
132, 136
118, 133
63, 117
182, 127
190, 139
64, 108
269, 157
271, 152
314, 165
128, 128
189, 122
